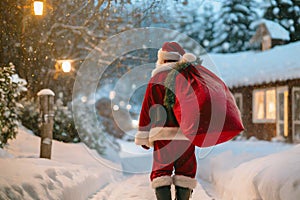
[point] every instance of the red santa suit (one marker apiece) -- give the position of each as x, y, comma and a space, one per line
174, 158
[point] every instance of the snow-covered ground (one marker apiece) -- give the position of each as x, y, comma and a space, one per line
74, 172
235, 170
241, 170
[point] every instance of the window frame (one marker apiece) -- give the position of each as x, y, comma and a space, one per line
294, 122
239, 96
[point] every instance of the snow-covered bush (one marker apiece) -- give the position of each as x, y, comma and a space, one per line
10, 88
89, 125
29, 115
63, 128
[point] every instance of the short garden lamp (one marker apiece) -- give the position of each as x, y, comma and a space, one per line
46, 98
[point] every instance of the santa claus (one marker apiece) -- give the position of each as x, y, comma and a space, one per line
184, 105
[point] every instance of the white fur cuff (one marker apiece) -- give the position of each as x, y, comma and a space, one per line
184, 181
142, 138
161, 181
166, 133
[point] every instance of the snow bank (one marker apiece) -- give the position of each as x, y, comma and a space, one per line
236, 169
74, 172
272, 177
4, 154
252, 170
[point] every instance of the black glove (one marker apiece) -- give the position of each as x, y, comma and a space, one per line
145, 147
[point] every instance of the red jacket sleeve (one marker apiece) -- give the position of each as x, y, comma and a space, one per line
142, 136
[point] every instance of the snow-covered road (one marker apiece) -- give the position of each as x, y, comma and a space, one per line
136, 165
137, 187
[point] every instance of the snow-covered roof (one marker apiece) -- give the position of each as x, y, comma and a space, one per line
276, 30
249, 68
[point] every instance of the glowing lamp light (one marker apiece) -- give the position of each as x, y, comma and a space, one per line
66, 66
38, 7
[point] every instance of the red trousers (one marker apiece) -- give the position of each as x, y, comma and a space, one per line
177, 155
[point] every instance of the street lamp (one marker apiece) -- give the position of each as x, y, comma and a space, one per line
38, 7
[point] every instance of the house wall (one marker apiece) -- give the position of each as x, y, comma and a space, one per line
291, 84
262, 131
276, 42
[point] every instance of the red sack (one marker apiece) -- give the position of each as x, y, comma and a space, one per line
204, 107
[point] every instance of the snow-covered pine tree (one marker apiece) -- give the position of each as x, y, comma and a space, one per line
200, 26
232, 30
29, 115
9, 93
286, 13
208, 22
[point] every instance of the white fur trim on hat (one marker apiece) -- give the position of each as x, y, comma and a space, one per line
161, 181
165, 55
142, 138
189, 57
184, 181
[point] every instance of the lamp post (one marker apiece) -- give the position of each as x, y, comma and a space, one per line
46, 97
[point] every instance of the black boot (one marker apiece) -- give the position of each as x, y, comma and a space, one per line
183, 193
163, 193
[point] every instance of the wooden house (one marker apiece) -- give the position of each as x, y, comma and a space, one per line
266, 86
268, 34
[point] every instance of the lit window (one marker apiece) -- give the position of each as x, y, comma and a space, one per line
259, 105
264, 105
270, 104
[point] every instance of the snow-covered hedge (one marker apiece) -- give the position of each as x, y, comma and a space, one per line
64, 127
29, 115
10, 87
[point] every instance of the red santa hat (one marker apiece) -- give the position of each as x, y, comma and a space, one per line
173, 51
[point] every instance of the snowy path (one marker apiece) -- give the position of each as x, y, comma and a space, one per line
137, 187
